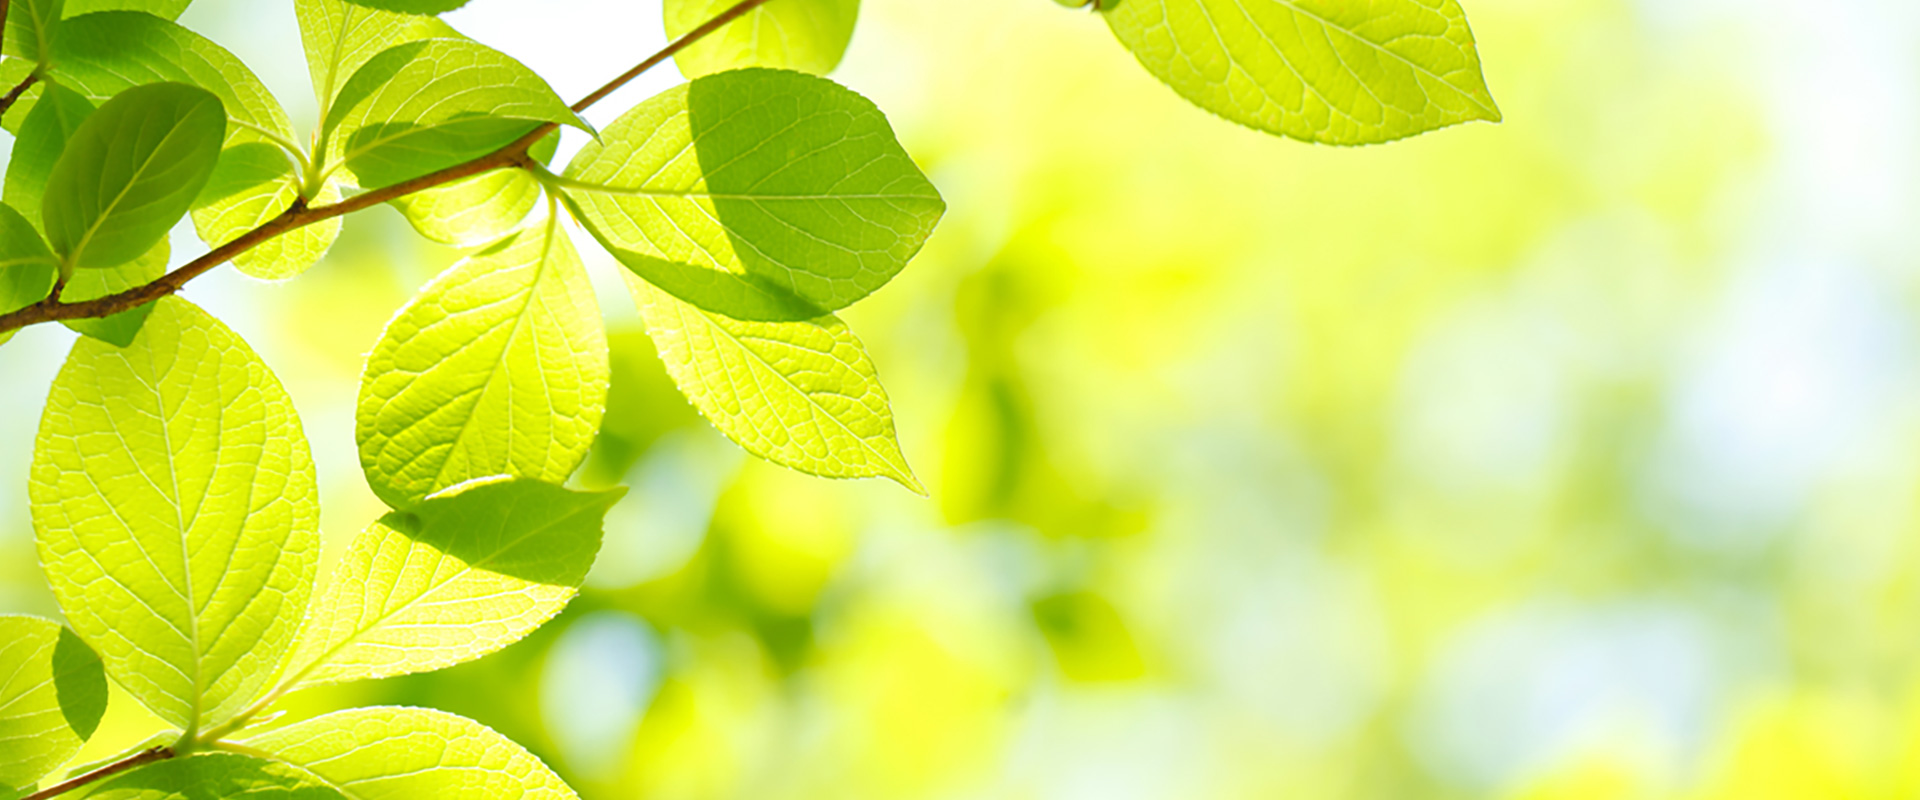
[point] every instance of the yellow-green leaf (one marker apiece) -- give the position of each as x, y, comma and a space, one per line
52, 695
1329, 71
463, 574
174, 502
804, 35
410, 754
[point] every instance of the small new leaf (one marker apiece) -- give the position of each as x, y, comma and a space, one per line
498, 367
174, 502
784, 181
457, 577
804, 35
1329, 71
52, 695
409, 753
802, 394
131, 171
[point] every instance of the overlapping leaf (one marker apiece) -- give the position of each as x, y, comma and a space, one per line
216, 775
168, 9
413, 6
340, 37
27, 267
1330, 71
42, 138
422, 106
407, 753
105, 53
745, 189
116, 329
802, 394
29, 32
52, 695
498, 367
130, 172
461, 575
174, 502
804, 35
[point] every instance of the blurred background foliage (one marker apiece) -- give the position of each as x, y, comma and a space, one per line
1573, 457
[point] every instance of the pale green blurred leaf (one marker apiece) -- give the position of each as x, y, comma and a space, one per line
29, 33
497, 367
208, 776
169, 9
422, 106
131, 171
1329, 71
52, 695
801, 394
342, 36
174, 501
42, 138
90, 284
789, 181
459, 576
804, 35
407, 753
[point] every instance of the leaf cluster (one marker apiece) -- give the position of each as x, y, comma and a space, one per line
172, 488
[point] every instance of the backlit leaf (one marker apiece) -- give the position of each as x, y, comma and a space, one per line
173, 498
29, 33
253, 184
42, 138
131, 171
786, 180
422, 106
408, 753
414, 6
27, 267
207, 776
804, 35
52, 695
169, 9
459, 576
479, 209
341, 36
497, 367
89, 284
1330, 71
802, 394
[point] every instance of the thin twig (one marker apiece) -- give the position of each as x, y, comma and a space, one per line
141, 758
298, 216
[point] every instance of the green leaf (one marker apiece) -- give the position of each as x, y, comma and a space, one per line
787, 181
497, 367
52, 695
406, 753
29, 33
42, 138
422, 106
253, 184
174, 500
106, 53
340, 37
27, 267
131, 171
1329, 71
208, 776
461, 575
413, 6
479, 209
118, 329
169, 9
800, 394
804, 35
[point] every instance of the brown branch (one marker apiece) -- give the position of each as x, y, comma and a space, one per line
13, 95
299, 215
141, 758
